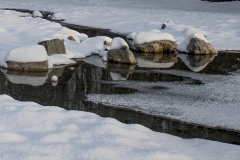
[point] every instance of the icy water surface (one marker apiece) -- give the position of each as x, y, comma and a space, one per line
94, 77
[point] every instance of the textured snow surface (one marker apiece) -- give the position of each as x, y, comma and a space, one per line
143, 37
32, 131
219, 21
215, 103
29, 53
59, 16
118, 43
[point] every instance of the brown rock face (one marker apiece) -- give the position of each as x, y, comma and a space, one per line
123, 55
166, 46
198, 46
29, 66
71, 38
54, 46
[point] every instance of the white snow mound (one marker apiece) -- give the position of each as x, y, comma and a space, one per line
131, 35
59, 16
183, 46
143, 37
37, 14
118, 43
29, 53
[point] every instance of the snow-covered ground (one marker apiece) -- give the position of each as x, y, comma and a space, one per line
218, 21
30, 131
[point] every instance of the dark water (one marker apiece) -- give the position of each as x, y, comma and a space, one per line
73, 86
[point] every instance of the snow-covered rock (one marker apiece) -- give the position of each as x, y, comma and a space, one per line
97, 43
54, 78
155, 42
37, 14
131, 35
118, 43
54, 46
28, 58
59, 16
196, 43
120, 52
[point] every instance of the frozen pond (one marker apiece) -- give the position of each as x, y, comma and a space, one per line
110, 90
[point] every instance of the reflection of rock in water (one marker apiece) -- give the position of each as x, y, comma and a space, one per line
31, 78
197, 62
120, 72
95, 60
156, 60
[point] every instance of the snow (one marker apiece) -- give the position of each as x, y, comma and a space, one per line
59, 59
117, 77
131, 35
37, 14
54, 78
59, 16
28, 53
183, 46
31, 131
96, 43
118, 43
143, 37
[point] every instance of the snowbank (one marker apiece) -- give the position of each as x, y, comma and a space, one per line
131, 35
118, 43
59, 16
28, 53
31, 131
143, 37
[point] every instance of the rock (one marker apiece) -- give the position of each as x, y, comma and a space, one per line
121, 56
166, 46
164, 26
54, 46
106, 43
198, 46
49, 17
71, 38
28, 66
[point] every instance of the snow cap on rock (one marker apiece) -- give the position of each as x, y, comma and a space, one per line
59, 16
143, 37
37, 14
118, 43
131, 35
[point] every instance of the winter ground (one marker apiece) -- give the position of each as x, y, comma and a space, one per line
31, 131
218, 21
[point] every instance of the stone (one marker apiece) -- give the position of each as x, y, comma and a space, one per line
71, 38
166, 46
28, 66
49, 17
54, 46
164, 26
123, 55
198, 46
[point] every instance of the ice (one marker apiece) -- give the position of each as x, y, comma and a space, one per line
118, 43
142, 37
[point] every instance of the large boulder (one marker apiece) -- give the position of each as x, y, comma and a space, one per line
120, 53
198, 46
155, 42
166, 46
54, 46
28, 58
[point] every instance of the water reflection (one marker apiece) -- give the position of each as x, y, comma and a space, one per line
196, 63
156, 60
73, 86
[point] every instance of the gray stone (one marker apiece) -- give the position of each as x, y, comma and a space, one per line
54, 46
159, 57
71, 38
166, 46
198, 46
123, 55
29, 66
